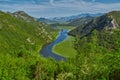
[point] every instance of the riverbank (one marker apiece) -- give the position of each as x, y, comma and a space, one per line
65, 48
46, 50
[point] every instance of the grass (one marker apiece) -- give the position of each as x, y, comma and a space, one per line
65, 48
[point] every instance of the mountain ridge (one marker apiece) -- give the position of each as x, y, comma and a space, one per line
107, 22
70, 18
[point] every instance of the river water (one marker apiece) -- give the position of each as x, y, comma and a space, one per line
47, 49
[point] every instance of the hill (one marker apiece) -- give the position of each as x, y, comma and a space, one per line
105, 22
98, 47
20, 29
21, 38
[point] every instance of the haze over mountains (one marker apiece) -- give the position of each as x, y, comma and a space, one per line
67, 19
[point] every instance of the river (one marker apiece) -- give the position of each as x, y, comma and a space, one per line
47, 49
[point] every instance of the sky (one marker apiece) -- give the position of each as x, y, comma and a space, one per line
58, 8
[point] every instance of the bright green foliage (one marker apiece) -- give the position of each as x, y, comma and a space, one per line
99, 56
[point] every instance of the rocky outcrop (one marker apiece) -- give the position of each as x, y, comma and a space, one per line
112, 24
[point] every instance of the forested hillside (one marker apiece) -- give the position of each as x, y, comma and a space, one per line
98, 47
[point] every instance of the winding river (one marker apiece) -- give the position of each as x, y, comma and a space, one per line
47, 49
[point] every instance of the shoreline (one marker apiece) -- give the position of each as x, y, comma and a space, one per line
47, 49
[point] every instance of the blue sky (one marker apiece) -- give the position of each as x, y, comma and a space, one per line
56, 8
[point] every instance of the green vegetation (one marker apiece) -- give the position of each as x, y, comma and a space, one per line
97, 57
66, 48
98, 48
17, 33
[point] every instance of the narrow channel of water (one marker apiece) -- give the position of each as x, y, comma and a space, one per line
47, 49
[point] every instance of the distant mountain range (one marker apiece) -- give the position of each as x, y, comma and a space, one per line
67, 19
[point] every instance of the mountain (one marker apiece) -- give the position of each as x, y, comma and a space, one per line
24, 16
80, 21
71, 18
108, 21
66, 20
20, 29
44, 20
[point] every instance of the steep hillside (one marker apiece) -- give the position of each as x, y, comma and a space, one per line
27, 18
103, 30
106, 22
22, 31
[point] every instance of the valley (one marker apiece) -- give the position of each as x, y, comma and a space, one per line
82, 47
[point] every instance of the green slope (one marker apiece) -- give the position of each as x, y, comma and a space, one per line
15, 33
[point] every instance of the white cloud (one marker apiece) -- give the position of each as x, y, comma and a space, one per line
61, 7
